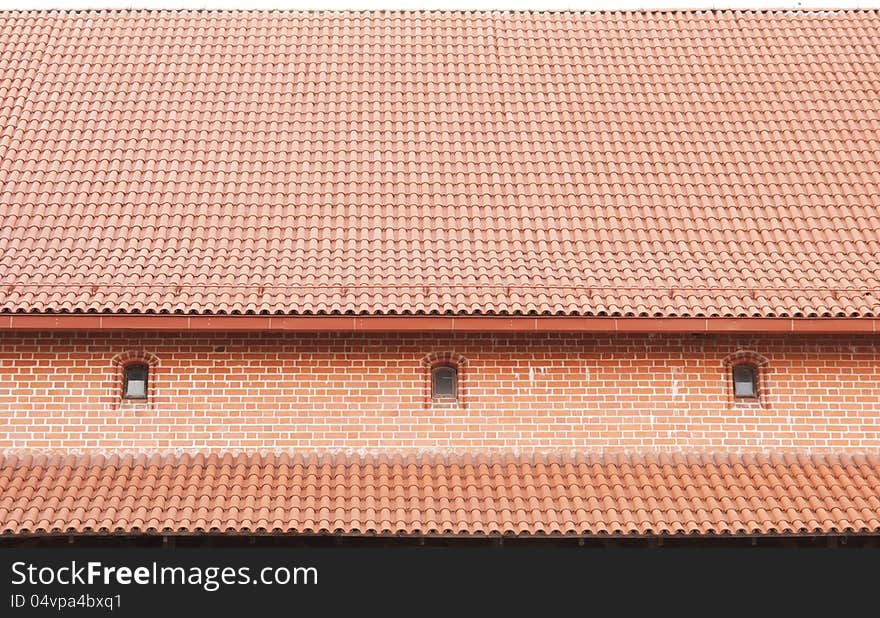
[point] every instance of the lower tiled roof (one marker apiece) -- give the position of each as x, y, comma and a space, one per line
441, 494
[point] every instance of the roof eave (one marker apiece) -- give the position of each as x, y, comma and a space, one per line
431, 323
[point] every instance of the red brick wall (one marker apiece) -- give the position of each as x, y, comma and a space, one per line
336, 391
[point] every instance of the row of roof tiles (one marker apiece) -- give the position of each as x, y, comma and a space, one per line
480, 298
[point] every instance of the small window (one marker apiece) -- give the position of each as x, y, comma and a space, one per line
135, 383
444, 382
745, 381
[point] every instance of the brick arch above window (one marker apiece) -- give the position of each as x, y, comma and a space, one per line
435, 359
135, 356
432, 361
746, 357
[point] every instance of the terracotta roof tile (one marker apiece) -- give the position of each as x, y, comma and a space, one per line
441, 494
719, 163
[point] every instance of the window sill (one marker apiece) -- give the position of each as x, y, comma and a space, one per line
446, 402
136, 405
749, 403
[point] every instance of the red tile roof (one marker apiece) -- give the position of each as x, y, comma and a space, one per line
685, 163
437, 494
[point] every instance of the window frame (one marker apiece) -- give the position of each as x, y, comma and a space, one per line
125, 379
455, 382
755, 379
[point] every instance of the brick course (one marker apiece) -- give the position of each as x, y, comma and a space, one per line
61, 391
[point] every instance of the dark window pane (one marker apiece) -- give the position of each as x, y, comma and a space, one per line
745, 382
444, 382
135, 386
